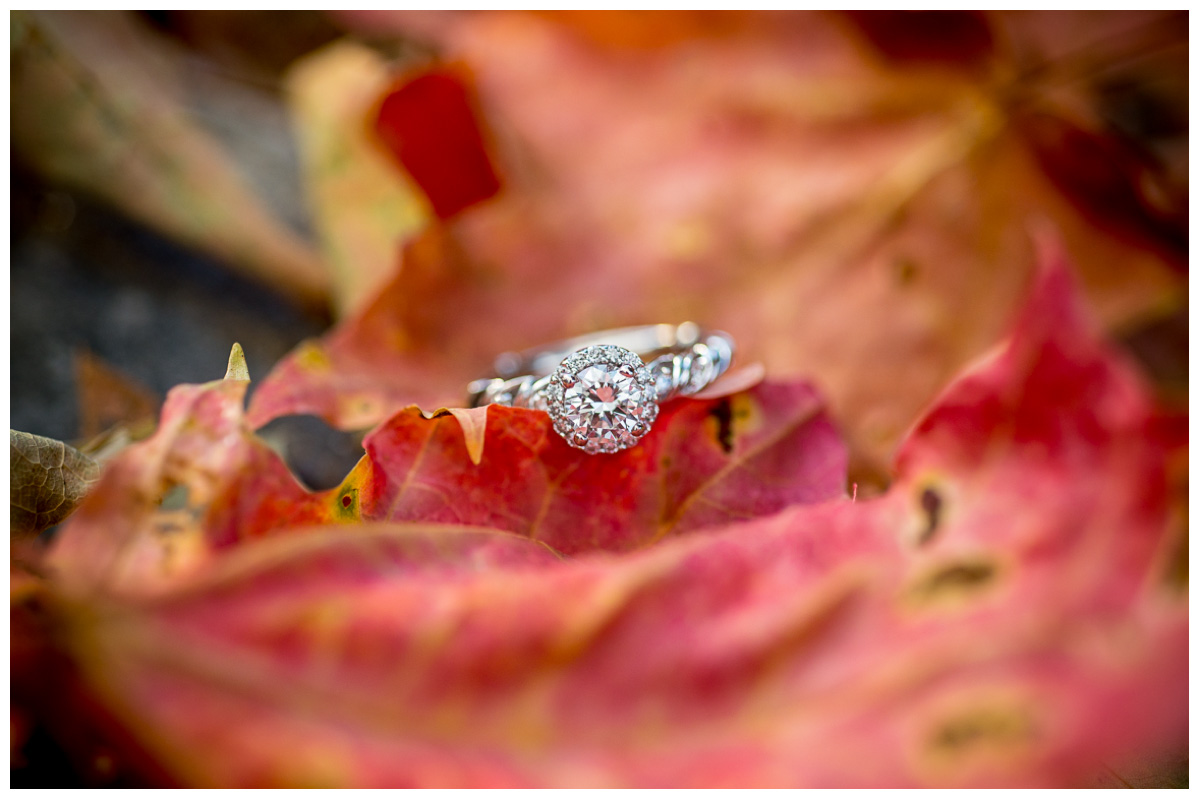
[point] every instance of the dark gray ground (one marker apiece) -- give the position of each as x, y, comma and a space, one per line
83, 277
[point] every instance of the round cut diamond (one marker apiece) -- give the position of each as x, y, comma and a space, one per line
603, 399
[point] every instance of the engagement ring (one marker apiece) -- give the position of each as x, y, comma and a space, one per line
602, 390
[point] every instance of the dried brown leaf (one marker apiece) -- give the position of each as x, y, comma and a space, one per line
108, 398
48, 479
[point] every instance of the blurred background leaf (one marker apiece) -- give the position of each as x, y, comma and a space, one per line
98, 107
363, 206
854, 202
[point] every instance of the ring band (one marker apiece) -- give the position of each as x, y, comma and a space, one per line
602, 390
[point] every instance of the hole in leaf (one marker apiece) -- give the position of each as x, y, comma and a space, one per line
931, 504
318, 455
346, 504
953, 582
175, 498
981, 729
722, 412
906, 271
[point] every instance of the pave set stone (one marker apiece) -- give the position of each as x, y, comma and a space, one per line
602, 399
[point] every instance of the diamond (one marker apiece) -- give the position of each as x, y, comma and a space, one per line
663, 370
607, 402
701, 372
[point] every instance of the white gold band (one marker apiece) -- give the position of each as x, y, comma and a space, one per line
682, 359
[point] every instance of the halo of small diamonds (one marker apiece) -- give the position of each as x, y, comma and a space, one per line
602, 399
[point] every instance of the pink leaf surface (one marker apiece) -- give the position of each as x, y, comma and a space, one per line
164, 506
995, 619
704, 463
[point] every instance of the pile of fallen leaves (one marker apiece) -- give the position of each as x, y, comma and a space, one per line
941, 543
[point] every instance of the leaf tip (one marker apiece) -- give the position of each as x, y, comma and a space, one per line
474, 428
237, 369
